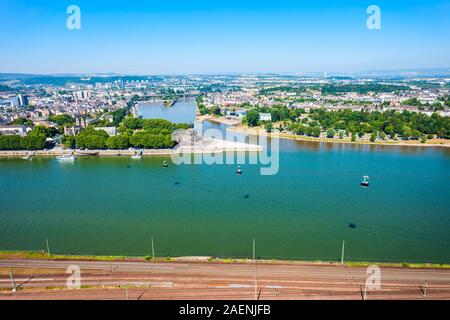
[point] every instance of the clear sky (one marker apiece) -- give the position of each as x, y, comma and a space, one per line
222, 36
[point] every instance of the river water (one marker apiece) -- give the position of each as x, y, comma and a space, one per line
115, 205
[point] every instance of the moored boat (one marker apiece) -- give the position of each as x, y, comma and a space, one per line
138, 155
66, 158
365, 181
86, 153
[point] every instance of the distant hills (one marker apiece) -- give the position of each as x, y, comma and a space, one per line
407, 73
63, 79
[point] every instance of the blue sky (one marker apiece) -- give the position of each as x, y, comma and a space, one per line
217, 36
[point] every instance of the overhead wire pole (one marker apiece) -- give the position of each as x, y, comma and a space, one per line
12, 280
343, 249
153, 251
365, 292
48, 247
253, 250
256, 271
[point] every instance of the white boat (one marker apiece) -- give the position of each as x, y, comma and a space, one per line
27, 158
66, 158
138, 155
365, 181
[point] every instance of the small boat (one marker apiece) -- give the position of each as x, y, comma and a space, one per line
165, 165
27, 158
85, 153
138, 155
365, 181
66, 158
239, 170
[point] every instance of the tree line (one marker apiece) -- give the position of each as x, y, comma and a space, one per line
134, 132
277, 112
406, 124
34, 140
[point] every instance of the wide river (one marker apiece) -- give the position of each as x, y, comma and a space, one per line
115, 205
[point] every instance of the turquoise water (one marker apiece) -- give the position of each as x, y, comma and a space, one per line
182, 111
115, 205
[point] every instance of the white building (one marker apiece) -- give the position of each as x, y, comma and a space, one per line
265, 117
20, 130
111, 131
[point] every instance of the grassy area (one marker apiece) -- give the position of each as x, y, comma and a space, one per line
402, 264
43, 256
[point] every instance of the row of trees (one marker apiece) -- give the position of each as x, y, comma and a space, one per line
361, 88
134, 132
277, 112
98, 139
300, 129
34, 140
408, 125
405, 124
62, 119
155, 125
422, 106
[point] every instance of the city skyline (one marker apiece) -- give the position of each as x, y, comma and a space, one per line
160, 38
315, 74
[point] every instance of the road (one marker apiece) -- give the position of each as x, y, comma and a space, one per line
46, 279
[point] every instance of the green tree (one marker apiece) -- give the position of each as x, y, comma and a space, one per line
91, 139
68, 141
331, 133
61, 119
12, 142
215, 110
252, 118
22, 121
35, 140
407, 133
315, 131
48, 132
120, 142
423, 139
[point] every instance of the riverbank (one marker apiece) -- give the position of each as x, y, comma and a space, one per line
282, 135
205, 146
66, 152
33, 255
222, 120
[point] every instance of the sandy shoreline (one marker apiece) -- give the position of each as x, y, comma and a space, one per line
235, 126
260, 131
223, 120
